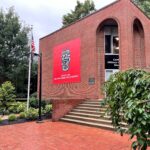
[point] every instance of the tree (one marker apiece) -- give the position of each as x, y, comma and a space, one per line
144, 5
81, 10
128, 100
7, 95
14, 50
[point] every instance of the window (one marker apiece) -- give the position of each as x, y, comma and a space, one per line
115, 44
107, 43
111, 40
108, 73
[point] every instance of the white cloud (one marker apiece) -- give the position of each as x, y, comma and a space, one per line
44, 15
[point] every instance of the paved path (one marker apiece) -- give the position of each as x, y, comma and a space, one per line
59, 136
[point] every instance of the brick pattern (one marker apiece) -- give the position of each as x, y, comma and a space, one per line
100, 55
138, 44
60, 136
62, 107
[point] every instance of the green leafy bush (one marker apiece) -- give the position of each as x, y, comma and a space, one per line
128, 95
32, 114
34, 102
12, 109
1, 120
12, 117
21, 107
22, 115
43, 104
43, 111
17, 107
48, 109
1, 110
7, 95
34, 94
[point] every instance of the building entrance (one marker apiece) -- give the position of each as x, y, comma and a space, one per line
111, 42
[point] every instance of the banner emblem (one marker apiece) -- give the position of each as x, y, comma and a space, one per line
65, 60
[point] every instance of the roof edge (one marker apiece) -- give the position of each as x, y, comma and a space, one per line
116, 1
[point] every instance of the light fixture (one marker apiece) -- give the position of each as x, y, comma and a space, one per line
117, 38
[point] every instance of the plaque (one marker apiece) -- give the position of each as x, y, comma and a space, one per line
91, 81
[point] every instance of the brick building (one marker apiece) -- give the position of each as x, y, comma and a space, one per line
79, 58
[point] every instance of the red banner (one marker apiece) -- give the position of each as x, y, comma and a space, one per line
66, 62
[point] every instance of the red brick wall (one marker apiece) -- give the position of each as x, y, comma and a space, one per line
138, 45
124, 13
62, 107
100, 58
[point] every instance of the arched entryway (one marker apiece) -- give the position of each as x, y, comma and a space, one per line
138, 44
108, 48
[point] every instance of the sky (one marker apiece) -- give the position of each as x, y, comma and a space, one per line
44, 15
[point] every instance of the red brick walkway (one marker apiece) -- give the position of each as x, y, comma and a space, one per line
59, 136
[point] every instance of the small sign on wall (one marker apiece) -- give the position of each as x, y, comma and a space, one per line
66, 62
91, 81
111, 61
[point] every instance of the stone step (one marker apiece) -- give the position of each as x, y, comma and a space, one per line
87, 108
85, 114
84, 110
89, 119
91, 108
90, 105
91, 113
91, 102
94, 116
94, 100
104, 126
96, 112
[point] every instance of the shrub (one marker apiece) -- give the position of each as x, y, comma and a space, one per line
43, 111
22, 115
1, 120
32, 114
48, 109
21, 107
128, 93
7, 95
1, 110
34, 94
34, 102
12, 117
17, 107
12, 108
43, 104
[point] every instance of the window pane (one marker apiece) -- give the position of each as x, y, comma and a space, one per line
108, 73
107, 43
116, 45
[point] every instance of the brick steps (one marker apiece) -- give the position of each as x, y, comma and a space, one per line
90, 113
